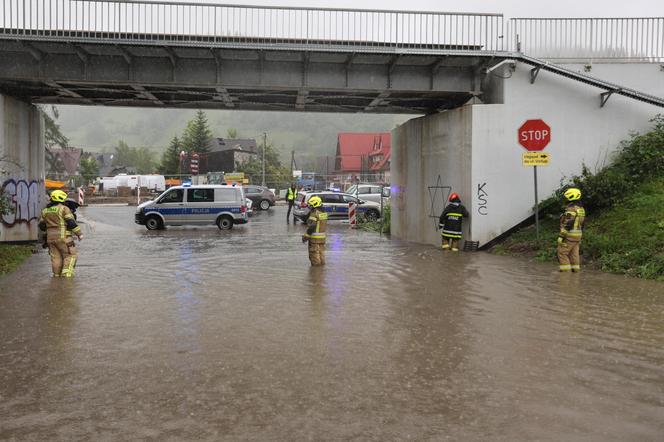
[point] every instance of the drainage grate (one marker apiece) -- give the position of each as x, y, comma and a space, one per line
471, 246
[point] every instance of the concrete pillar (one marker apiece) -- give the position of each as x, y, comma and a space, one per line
431, 157
22, 170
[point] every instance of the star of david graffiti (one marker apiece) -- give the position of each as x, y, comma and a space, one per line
434, 192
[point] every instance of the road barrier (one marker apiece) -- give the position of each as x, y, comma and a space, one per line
81, 196
352, 214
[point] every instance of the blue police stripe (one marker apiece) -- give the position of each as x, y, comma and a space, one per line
193, 210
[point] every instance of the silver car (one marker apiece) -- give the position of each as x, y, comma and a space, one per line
335, 204
370, 192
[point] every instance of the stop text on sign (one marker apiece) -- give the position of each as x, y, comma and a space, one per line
534, 135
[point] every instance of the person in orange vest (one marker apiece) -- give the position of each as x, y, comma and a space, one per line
59, 223
571, 232
450, 223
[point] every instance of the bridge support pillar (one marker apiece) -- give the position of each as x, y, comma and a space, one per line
22, 168
431, 157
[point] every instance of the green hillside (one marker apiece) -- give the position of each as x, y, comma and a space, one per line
311, 135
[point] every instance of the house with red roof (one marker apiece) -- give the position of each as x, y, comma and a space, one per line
363, 157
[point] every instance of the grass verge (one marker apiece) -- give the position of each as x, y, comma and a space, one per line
627, 238
12, 256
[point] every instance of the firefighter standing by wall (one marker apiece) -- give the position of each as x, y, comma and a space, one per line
291, 195
60, 225
450, 223
315, 235
571, 232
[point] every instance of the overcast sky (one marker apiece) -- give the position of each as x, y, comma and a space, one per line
510, 8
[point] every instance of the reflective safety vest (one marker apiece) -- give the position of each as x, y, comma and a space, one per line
317, 223
58, 221
292, 194
571, 222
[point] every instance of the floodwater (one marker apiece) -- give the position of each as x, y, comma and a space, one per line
198, 334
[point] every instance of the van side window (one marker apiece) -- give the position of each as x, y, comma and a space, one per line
226, 194
200, 195
174, 196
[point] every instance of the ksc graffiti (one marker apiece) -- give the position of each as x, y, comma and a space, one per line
25, 198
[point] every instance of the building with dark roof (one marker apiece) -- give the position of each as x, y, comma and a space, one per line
226, 154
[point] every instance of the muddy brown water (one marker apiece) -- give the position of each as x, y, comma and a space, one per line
198, 334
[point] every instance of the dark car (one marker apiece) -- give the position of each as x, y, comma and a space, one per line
262, 197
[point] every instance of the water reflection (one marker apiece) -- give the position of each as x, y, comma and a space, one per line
194, 333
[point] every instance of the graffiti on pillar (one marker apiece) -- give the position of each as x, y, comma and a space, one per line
25, 200
482, 201
438, 194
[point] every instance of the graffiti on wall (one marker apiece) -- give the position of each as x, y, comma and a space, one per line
482, 201
26, 200
438, 194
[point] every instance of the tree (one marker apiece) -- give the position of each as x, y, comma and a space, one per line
197, 135
123, 155
275, 174
53, 135
231, 132
89, 169
170, 159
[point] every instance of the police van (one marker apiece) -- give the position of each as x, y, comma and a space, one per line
222, 205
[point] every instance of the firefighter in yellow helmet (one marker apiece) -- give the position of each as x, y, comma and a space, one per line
60, 226
315, 235
571, 232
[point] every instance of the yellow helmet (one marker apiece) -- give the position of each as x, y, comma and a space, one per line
315, 201
58, 196
572, 194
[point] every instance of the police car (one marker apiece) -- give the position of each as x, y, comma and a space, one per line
335, 204
224, 206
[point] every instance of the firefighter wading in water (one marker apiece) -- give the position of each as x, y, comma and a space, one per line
316, 227
571, 231
450, 223
59, 224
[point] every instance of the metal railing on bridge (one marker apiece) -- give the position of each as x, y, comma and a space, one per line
630, 39
169, 22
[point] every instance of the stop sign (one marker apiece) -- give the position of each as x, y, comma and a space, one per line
534, 135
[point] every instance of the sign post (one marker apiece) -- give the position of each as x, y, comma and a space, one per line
534, 136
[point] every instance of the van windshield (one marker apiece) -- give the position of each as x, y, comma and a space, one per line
352, 190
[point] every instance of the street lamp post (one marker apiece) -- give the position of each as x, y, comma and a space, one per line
264, 146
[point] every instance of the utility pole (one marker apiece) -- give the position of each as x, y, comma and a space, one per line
292, 163
264, 146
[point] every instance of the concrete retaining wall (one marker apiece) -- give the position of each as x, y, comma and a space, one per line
21, 168
475, 150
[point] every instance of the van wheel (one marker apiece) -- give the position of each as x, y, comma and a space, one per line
372, 215
225, 223
264, 204
154, 223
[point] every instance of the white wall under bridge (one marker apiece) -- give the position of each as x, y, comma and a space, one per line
21, 168
474, 151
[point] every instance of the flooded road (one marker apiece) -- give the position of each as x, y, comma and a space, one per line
199, 334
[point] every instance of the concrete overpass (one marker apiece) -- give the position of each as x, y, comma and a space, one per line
188, 55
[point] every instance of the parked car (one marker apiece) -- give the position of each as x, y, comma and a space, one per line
183, 205
335, 204
262, 197
369, 192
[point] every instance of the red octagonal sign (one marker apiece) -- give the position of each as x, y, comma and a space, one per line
534, 135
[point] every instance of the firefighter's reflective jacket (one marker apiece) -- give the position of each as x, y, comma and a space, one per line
451, 220
571, 222
58, 222
292, 194
316, 227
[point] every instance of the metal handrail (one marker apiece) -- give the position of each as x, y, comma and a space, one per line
633, 39
178, 22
